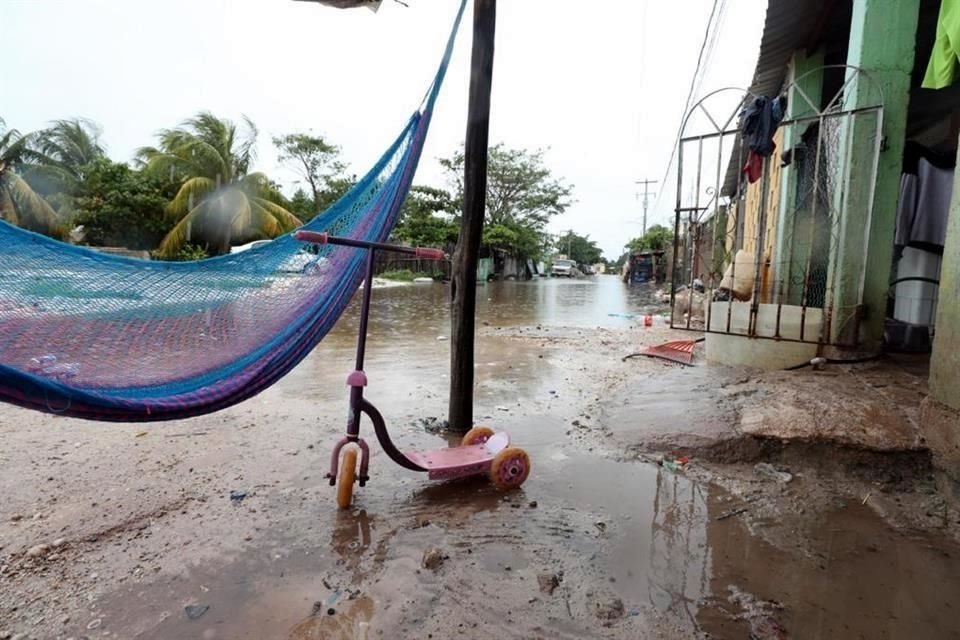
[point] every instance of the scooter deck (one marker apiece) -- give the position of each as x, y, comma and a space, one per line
460, 462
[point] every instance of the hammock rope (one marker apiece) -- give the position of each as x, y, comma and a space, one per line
104, 337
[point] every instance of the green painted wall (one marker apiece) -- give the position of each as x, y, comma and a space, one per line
882, 41
792, 251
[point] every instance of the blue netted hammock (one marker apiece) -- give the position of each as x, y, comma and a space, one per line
104, 337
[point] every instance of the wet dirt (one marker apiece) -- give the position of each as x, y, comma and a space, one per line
147, 543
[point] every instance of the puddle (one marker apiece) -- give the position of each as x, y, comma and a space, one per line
861, 579
628, 531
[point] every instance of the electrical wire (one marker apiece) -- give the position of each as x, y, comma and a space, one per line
690, 93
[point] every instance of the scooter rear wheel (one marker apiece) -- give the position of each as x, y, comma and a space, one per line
477, 435
346, 477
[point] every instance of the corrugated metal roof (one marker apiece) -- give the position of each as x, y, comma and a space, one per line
790, 25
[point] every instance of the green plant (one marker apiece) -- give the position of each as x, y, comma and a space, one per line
402, 275
186, 253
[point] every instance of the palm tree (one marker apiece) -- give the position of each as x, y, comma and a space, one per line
19, 204
218, 202
58, 158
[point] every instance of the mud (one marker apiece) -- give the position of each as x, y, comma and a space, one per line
146, 542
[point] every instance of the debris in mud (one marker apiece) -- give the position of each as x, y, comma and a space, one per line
549, 582
433, 559
196, 611
533, 504
768, 471
674, 464
606, 606
433, 424
237, 496
730, 514
760, 614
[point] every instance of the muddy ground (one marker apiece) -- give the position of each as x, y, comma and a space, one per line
130, 531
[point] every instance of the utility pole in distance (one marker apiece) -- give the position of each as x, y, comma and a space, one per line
646, 199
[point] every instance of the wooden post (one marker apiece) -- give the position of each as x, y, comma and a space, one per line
464, 268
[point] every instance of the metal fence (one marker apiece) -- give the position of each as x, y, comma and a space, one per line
769, 255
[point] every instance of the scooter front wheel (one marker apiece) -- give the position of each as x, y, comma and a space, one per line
346, 477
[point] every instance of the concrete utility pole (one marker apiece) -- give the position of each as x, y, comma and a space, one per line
464, 272
646, 199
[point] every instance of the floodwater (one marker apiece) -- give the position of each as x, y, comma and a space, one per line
636, 550
600, 301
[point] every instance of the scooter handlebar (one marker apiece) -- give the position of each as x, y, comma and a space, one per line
315, 237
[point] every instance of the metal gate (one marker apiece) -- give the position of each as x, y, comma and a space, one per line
775, 258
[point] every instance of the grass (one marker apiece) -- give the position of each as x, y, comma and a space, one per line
403, 275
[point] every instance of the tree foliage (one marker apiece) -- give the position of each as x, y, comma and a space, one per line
657, 238
62, 152
301, 205
334, 190
427, 218
580, 249
19, 203
118, 206
218, 203
522, 196
520, 187
313, 159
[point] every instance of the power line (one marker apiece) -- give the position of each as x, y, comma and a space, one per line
690, 92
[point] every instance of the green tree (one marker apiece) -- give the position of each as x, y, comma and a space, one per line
19, 203
218, 202
518, 240
119, 206
301, 205
522, 196
580, 249
427, 218
657, 238
63, 152
313, 159
520, 187
333, 191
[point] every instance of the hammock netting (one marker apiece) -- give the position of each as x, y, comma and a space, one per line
99, 336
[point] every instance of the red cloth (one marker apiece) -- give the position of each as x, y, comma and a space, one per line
754, 167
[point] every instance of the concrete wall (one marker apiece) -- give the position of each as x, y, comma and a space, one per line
945, 361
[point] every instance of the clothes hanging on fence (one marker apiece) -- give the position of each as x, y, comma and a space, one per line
926, 187
942, 67
759, 122
754, 167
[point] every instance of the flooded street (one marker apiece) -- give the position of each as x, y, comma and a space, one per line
146, 542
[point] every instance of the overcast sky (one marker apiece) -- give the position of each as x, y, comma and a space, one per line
601, 84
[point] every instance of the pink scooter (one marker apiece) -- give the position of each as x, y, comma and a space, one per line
481, 451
